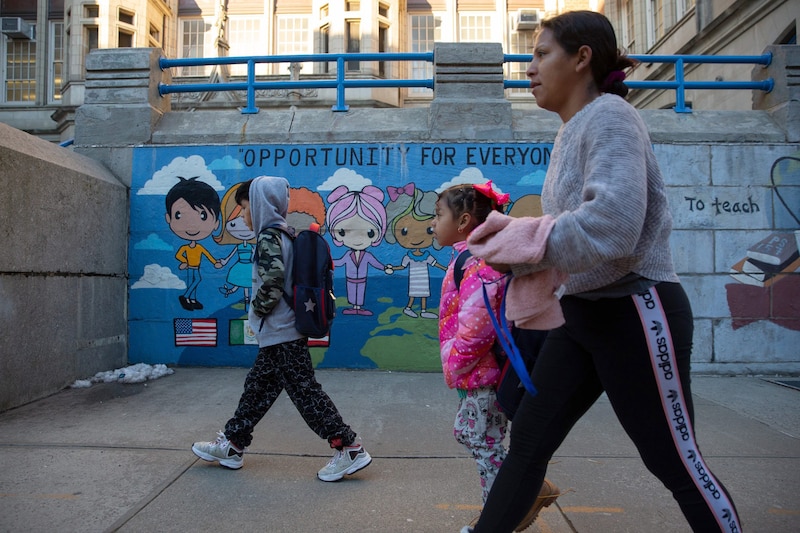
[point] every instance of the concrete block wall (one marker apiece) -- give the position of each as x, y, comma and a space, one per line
718, 166
63, 225
64, 313
725, 197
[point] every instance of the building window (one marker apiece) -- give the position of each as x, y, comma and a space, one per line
352, 5
20, 75
520, 42
625, 24
193, 34
325, 47
91, 11
244, 39
352, 30
383, 10
474, 28
383, 46
124, 39
155, 36
683, 7
655, 22
292, 37
425, 31
126, 17
91, 41
57, 74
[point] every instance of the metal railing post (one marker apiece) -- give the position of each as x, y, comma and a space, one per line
680, 91
251, 108
340, 105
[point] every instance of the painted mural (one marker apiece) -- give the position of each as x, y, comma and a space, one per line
765, 286
190, 253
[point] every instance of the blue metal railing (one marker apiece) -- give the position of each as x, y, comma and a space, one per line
679, 85
251, 85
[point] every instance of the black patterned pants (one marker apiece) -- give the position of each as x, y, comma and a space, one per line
286, 366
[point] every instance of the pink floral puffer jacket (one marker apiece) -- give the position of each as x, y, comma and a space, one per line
466, 335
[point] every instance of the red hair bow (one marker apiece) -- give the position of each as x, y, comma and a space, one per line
489, 192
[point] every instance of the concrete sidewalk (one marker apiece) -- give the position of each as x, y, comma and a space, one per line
117, 457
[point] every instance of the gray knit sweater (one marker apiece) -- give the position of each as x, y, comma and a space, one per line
605, 189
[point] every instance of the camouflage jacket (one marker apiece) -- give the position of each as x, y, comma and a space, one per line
271, 271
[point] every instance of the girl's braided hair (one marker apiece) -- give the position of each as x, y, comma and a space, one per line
465, 199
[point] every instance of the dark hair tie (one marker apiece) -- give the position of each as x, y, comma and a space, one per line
613, 77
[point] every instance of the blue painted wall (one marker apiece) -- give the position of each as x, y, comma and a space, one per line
387, 327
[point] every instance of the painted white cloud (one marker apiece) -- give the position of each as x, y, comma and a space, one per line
158, 277
468, 175
534, 178
184, 167
226, 163
152, 242
345, 176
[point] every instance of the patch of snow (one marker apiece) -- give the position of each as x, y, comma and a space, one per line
131, 374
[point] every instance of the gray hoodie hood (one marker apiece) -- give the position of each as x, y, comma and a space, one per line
269, 203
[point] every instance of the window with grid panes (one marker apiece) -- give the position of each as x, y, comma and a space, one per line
520, 42
293, 37
20, 66
193, 37
56, 77
244, 39
425, 30
474, 28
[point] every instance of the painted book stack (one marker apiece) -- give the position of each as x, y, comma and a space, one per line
768, 261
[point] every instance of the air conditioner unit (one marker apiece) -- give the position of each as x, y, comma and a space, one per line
526, 19
16, 28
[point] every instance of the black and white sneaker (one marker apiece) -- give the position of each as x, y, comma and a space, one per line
346, 461
221, 450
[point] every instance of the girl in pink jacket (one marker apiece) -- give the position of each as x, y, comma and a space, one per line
466, 334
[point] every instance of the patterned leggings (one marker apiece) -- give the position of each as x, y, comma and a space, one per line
480, 425
286, 366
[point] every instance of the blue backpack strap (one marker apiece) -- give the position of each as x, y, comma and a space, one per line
507, 341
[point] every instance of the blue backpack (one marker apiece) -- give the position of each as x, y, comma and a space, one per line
515, 349
312, 298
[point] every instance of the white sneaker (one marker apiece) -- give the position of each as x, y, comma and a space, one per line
346, 461
221, 450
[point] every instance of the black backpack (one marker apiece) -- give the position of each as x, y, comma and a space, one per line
510, 389
312, 298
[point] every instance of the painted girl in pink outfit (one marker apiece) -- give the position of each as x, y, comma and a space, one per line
357, 220
466, 334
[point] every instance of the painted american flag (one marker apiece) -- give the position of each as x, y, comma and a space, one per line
195, 332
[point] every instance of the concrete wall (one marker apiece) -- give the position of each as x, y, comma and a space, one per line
63, 228
733, 179
731, 176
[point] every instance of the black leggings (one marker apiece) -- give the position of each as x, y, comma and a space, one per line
286, 366
637, 349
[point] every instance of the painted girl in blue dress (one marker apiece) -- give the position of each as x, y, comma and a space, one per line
236, 232
410, 211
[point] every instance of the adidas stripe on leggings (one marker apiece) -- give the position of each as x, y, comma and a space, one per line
637, 349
